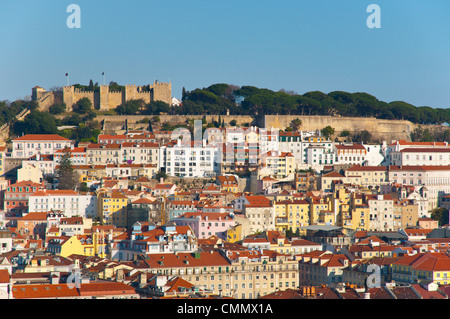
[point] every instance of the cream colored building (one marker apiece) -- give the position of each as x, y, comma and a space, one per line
282, 164
240, 274
30, 173
101, 154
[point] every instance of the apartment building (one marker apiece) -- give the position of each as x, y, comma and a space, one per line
258, 210
69, 202
394, 155
77, 156
428, 266
373, 177
112, 208
149, 239
17, 196
30, 145
101, 154
205, 225
322, 268
421, 156
139, 153
240, 274
291, 215
279, 163
189, 159
350, 154
433, 180
381, 213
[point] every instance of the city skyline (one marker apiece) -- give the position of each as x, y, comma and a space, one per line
293, 45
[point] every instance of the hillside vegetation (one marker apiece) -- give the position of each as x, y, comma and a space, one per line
249, 100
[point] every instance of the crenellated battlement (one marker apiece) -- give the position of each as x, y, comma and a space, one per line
105, 99
83, 91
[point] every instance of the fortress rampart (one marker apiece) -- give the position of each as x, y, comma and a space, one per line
381, 129
103, 99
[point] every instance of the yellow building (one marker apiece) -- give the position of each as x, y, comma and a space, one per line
3, 151
112, 208
85, 245
234, 234
422, 267
228, 183
281, 164
360, 217
291, 215
278, 242
317, 207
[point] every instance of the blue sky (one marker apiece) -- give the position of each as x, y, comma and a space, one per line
298, 45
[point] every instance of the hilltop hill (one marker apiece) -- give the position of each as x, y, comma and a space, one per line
247, 100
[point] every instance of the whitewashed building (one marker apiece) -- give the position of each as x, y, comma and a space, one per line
189, 159
30, 145
69, 202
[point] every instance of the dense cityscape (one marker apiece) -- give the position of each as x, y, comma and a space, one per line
216, 208
224, 158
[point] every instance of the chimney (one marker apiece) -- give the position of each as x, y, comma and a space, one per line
120, 275
54, 277
142, 279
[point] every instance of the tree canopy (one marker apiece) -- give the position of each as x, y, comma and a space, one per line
67, 177
249, 100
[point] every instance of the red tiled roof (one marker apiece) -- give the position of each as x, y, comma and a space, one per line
425, 150
41, 137
4, 276
257, 201
35, 216
350, 147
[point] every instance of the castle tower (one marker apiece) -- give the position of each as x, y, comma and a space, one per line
104, 97
162, 91
37, 92
68, 97
130, 92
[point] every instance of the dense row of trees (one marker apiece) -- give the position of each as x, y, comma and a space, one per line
37, 122
8, 110
139, 107
220, 98
421, 134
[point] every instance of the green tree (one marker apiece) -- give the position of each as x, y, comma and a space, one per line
91, 85
345, 133
67, 177
362, 137
161, 174
327, 131
156, 108
296, 124
130, 107
440, 214
57, 108
83, 105
36, 122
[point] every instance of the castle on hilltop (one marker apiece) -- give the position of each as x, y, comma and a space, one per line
104, 98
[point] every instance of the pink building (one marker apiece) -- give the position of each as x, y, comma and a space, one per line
205, 224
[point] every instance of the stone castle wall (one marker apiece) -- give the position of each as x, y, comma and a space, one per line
386, 130
383, 129
104, 99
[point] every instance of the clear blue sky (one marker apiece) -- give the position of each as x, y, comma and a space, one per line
298, 45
